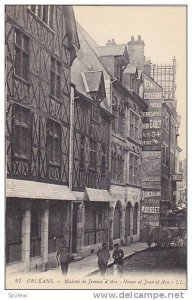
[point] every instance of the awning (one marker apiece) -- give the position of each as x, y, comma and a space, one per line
98, 195
37, 190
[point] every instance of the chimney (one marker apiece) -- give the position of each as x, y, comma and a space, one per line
136, 52
147, 67
111, 42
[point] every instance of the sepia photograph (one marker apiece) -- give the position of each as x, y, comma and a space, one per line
96, 147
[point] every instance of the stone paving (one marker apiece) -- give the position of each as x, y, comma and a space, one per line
88, 265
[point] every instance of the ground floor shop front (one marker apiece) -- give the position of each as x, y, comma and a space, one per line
36, 226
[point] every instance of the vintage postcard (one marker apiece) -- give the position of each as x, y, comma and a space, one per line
96, 164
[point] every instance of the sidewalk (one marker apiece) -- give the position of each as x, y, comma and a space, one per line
88, 265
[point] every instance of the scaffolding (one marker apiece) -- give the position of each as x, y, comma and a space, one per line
164, 75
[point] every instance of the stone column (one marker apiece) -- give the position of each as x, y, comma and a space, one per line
44, 233
26, 229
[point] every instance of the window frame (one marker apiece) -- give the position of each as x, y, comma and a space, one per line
93, 154
55, 78
22, 130
103, 159
53, 143
38, 10
135, 126
134, 165
21, 50
95, 113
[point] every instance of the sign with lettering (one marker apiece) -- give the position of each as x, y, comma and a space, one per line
150, 210
147, 194
154, 105
152, 95
177, 177
152, 114
151, 168
151, 137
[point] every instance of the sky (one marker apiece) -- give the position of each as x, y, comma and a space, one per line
163, 29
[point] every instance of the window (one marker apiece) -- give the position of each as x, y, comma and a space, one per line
95, 113
82, 153
103, 160
43, 12
21, 55
121, 119
118, 122
21, 132
134, 126
93, 154
117, 167
134, 170
53, 142
55, 78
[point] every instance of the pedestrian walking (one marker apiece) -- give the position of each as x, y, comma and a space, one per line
63, 257
118, 255
103, 257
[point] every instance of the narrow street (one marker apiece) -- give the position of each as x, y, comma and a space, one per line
156, 260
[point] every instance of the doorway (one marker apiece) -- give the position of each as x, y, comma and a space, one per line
74, 227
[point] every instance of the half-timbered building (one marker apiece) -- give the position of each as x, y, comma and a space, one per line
41, 44
91, 142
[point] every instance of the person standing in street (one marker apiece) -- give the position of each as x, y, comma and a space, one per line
63, 256
118, 255
103, 257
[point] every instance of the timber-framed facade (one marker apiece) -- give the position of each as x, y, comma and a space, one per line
41, 44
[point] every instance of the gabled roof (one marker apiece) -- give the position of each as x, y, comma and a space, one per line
87, 60
151, 79
140, 74
94, 82
111, 50
76, 78
131, 69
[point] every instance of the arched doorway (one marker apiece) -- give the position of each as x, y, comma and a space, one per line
135, 218
128, 220
117, 221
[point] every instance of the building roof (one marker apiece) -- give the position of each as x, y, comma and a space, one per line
150, 78
111, 50
88, 61
131, 69
92, 80
76, 77
140, 74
